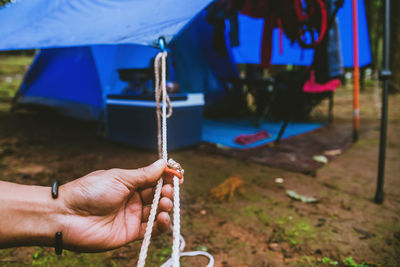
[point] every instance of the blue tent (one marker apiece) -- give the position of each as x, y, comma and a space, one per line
84, 44
78, 67
77, 80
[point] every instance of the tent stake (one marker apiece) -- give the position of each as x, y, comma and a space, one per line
384, 76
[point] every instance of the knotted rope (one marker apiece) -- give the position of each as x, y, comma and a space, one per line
161, 92
178, 243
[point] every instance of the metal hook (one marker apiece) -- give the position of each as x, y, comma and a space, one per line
162, 43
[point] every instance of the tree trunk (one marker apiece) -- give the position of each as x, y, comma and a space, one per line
395, 46
374, 11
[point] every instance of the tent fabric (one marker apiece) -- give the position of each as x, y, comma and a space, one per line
77, 80
250, 34
66, 79
200, 71
60, 23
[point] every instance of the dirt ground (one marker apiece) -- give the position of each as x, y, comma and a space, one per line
260, 226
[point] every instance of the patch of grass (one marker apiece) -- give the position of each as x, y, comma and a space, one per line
9, 89
328, 261
295, 230
160, 255
351, 263
288, 227
15, 60
160, 251
252, 211
12, 69
45, 257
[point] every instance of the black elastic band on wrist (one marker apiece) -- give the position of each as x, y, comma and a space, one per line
58, 247
58, 236
54, 189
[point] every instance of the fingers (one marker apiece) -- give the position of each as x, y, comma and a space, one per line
165, 205
160, 225
163, 222
169, 179
147, 194
142, 177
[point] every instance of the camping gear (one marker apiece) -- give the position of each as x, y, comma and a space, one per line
247, 139
250, 36
311, 86
295, 93
296, 18
90, 73
185, 126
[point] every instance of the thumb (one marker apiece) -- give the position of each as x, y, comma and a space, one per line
143, 177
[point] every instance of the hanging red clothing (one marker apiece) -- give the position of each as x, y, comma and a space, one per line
292, 17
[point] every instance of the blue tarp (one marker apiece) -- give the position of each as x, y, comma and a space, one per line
224, 132
60, 23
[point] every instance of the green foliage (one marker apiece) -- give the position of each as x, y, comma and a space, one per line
3, 2
327, 260
12, 69
160, 255
351, 263
46, 257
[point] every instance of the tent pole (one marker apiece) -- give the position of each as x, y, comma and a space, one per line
356, 75
384, 76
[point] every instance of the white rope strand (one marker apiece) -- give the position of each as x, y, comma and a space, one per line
178, 244
164, 105
157, 193
150, 224
168, 263
176, 230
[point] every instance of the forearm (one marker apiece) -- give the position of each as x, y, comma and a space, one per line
28, 215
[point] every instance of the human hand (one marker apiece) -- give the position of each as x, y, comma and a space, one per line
107, 209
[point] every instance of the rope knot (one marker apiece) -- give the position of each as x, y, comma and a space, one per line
175, 166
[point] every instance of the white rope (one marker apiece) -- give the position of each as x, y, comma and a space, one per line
160, 61
178, 243
157, 193
168, 263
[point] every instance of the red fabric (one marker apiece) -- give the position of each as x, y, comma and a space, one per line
312, 87
247, 139
262, 9
290, 16
316, 18
280, 37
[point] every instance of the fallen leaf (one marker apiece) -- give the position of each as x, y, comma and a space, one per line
320, 159
301, 198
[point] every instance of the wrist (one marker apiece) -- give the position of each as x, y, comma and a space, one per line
30, 216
